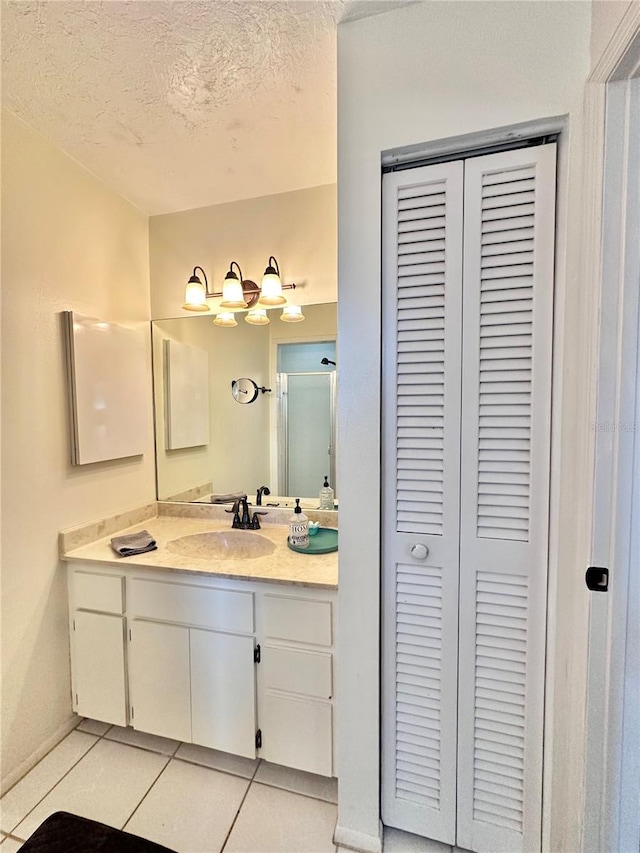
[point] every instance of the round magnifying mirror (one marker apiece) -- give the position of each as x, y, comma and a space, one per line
244, 390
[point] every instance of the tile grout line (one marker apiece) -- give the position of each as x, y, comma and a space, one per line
142, 748
233, 823
190, 761
146, 794
235, 775
293, 791
40, 760
215, 769
169, 757
64, 775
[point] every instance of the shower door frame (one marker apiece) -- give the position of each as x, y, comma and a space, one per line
282, 381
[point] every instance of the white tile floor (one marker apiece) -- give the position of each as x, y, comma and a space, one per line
191, 799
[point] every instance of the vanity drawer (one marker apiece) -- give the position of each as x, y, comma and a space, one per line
221, 609
104, 593
298, 619
297, 732
297, 671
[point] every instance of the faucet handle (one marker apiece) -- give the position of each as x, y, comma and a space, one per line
255, 521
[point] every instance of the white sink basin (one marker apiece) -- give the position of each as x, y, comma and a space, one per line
223, 545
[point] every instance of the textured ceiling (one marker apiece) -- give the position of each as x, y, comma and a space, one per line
178, 104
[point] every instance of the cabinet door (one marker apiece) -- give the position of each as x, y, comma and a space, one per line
223, 693
98, 667
297, 732
159, 679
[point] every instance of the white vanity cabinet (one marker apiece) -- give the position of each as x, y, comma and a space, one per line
240, 666
159, 681
98, 646
223, 692
295, 681
191, 662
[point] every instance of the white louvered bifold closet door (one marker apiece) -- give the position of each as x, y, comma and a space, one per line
421, 427
506, 429
467, 338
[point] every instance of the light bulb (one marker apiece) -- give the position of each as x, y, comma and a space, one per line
195, 295
292, 314
257, 317
225, 318
232, 293
271, 288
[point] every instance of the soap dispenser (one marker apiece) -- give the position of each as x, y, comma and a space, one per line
326, 495
299, 527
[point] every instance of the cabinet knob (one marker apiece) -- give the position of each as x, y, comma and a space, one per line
419, 551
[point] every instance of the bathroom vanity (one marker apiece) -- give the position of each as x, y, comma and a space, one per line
232, 653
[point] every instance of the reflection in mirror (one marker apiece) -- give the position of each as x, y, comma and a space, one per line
285, 439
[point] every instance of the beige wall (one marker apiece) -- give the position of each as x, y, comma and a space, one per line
605, 17
68, 242
299, 228
426, 72
320, 323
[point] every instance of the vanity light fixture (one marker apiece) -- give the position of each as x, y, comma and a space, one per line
232, 292
225, 318
292, 314
237, 293
195, 295
271, 289
257, 317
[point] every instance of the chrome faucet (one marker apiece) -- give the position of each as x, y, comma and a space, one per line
244, 521
263, 490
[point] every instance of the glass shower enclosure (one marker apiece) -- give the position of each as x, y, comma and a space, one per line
307, 409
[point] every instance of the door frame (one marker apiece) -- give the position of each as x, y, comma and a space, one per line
612, 735
557, 610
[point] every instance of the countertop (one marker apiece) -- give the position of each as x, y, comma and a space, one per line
282, 566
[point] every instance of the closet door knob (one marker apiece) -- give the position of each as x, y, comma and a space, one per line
419, 551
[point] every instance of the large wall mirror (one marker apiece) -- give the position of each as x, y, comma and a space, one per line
208, 443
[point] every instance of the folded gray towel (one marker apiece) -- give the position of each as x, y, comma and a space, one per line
228, 498
133, 543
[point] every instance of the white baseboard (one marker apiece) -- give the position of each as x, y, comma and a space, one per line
10, 779
351, 839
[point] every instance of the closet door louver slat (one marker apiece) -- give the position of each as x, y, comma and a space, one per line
421, 417
507, 320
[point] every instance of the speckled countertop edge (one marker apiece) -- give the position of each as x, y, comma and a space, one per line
84, 534
283, 566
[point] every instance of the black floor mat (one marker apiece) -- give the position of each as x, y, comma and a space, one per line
67, 833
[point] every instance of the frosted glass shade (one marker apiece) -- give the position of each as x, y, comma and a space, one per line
271, 290
225, 318
292, 314
232, 294
257, 317
195, 296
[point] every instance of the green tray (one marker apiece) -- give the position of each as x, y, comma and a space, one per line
323, 542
